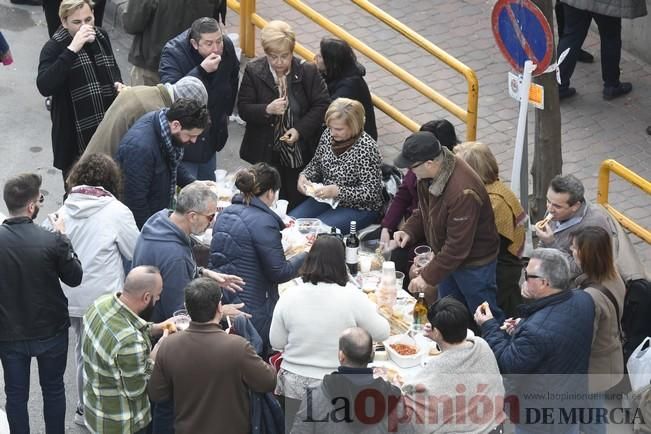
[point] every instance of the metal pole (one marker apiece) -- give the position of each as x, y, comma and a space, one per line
520, 137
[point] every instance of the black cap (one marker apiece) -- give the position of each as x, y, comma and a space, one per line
419, 147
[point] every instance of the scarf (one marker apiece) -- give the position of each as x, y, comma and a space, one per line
173, 154
339, 147
90, 191
290, 153
90, 83
509, 216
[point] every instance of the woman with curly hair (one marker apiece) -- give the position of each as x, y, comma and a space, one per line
103, 232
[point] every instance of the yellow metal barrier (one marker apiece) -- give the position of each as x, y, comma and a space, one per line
249, 20
470, 114
631, 177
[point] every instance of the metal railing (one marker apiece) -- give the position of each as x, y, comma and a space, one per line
611, 166
249, 19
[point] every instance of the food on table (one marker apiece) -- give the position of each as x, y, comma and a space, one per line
390, 374
541, 224
404, 349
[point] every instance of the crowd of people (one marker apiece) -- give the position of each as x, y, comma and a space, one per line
116, 262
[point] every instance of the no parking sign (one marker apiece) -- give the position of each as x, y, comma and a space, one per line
522, 33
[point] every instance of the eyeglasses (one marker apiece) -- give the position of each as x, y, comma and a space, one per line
208, 216
528, 276
41, 198
417, 165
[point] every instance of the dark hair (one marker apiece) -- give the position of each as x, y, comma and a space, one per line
338, 57
595, 252
451, 318
444, 131
357, 345
97, 170
326, 262
203, 25
257, 180
20, 190
569, 184
202, 296
189, 113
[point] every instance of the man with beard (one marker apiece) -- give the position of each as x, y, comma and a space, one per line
151, 152
165, 243
34, 318
118, 356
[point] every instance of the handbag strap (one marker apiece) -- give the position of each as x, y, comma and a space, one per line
601, 288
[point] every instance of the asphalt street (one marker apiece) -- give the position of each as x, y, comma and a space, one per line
26, 146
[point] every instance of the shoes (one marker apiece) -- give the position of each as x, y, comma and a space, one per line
79, 418
27, 2
566, 92
585, 57
611, 92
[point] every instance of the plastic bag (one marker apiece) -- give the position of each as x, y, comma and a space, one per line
639, 365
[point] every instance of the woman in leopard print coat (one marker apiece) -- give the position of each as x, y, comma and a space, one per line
345, 168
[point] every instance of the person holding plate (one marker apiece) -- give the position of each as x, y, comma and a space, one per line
344, 178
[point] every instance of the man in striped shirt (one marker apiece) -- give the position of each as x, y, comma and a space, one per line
118, 356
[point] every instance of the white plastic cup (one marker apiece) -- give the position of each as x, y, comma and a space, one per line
220, 175
281, 207
365, 263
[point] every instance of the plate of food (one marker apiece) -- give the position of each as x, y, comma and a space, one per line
404, 351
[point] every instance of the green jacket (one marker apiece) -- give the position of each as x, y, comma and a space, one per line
154, 22
128, 107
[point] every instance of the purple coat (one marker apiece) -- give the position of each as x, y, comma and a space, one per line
403, 204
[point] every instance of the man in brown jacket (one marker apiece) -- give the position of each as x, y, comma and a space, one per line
207, 372
456, 219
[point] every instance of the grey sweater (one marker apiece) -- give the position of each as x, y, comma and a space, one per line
472, 365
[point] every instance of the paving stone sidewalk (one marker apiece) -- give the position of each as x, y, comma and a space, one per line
592, 129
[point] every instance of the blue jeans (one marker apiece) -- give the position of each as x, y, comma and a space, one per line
163, 417
473, 286
51, 354
339, 217
202, 171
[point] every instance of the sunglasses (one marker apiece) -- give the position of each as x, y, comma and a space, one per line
208, 216
528, 276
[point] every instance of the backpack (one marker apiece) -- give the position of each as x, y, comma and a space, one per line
636, 318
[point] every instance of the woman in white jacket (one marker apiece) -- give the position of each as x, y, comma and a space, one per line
309, 318
103, 232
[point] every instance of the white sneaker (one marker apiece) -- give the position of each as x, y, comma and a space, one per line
79, 418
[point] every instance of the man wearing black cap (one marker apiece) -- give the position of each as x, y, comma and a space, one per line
456, 219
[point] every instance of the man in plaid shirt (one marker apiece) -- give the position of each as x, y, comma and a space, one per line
117, 353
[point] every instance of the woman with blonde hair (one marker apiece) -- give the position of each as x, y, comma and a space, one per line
282, 99
345, 169
509, 218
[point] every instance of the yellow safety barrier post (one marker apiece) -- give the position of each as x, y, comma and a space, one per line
470, 117
631, 177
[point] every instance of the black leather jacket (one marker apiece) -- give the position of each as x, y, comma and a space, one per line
32, 260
